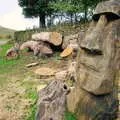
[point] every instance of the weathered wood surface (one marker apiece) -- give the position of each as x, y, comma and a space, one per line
95, 96
52, 100
68, 51
44, 72
32, 64
71, 39
37, 47
29, 44
50, 37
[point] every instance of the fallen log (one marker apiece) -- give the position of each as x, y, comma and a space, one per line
37, 47
44, 72
69, 39
54, 38
68, 51
43, 49
29, 44
32, 64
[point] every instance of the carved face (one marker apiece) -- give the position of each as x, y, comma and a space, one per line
96, 69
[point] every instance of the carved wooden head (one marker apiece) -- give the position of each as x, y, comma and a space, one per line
99, 57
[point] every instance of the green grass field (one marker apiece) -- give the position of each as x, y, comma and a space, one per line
13, 72
14, 69
5, 32
12, 64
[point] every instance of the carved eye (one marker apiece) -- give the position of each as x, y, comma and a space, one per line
65, 87
112, 16
109, 15
96, 18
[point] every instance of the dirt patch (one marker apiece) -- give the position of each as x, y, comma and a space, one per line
12, 103
19, 90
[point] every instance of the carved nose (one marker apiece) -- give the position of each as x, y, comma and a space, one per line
93, 41
91, 45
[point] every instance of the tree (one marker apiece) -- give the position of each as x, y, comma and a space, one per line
74, 7
46, 9
37, 8
67, 7
87, 5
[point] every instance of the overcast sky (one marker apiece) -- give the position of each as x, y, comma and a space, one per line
11, 16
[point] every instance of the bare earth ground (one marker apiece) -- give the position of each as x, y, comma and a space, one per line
18, 87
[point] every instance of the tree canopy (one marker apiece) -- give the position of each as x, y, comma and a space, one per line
68, 8
36, 8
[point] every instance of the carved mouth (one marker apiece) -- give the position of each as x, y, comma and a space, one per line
91, 67
93, 52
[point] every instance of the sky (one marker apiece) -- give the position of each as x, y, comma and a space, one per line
11, 16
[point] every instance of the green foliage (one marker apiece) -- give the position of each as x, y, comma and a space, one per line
33, 111
36, 8
57, 56
69, 9
69, 116
76, 6
65, 6
31, 94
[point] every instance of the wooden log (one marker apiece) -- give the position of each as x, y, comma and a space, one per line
32, 64
29, 44
69, 39
44, 49
44, 72
54, 38
68, 51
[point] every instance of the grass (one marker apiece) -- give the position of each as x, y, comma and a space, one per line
32, 94
4, 32
13, 64
5, 66
57, 56
69, 116
33, 111
5, 39
17, 67
5, 48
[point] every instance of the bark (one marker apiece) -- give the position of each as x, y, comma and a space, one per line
86, 12
54, 38
71, 20
42, 21
76, 18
